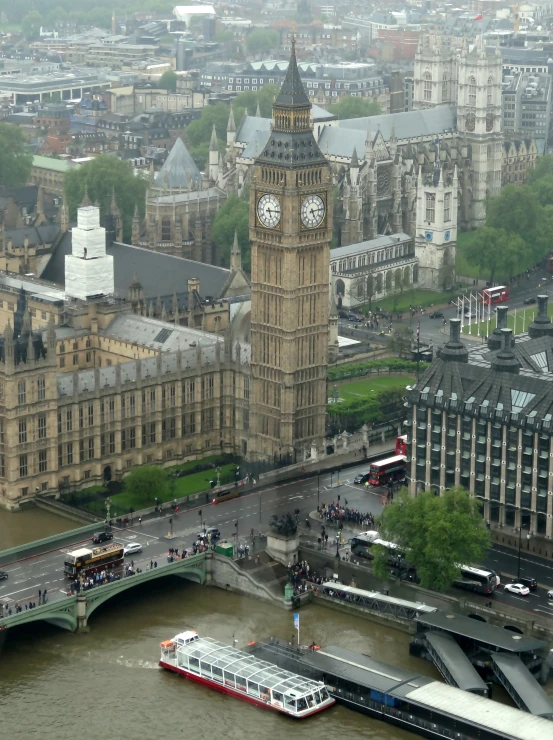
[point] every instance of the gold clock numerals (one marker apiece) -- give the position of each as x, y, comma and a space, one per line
268, 210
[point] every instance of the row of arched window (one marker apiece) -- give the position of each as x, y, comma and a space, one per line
446, 82
362, 260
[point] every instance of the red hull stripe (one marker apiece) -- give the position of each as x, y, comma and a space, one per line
238, 694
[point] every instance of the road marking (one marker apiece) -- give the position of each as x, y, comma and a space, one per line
291, 498
21, 590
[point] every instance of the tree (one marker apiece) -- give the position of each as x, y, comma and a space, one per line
389, 281
262, 40
435, 533
147, 483
401, 340
490, 247
103, 176
234, 216
168, 81
224, 35
350, 107
199, 131
446, 275
544, 167
15, 159
363, 287
31, 23
515, 209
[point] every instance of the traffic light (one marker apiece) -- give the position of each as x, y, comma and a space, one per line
237, 472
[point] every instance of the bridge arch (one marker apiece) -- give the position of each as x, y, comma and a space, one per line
192, 569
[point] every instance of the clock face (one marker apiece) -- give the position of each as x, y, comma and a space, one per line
268, 210
312, 211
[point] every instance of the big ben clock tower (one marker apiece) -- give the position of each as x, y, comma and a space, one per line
290, 233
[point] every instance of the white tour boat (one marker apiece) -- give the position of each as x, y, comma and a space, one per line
231, 671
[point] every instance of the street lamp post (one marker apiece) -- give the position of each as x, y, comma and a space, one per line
318, 484
331, 474
201, 520
337, 545
108, 507
260, 507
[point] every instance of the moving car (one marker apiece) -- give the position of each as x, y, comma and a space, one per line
355, 319
343, 314
3, 575
517, 588
361, 478
550, 594
531, 299
131, 548
99, 537
206, 531
436, 315
530, 582
470, 315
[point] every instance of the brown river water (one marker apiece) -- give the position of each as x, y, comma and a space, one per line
106, 683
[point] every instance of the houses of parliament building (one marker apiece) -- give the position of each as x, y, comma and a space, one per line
93, 388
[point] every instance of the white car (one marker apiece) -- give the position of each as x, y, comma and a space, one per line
131, 548
550, 594
517, 588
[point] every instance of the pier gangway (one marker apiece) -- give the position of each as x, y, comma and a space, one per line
521, 685
453, 664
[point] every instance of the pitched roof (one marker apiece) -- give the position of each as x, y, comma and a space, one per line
292, 91
159, 274
179, 169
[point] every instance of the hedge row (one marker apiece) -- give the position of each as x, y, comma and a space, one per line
389, 365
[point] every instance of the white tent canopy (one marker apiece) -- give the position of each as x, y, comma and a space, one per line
185, 12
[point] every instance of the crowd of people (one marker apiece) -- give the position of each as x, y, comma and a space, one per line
336, 515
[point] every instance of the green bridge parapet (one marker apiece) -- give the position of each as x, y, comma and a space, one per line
72, 612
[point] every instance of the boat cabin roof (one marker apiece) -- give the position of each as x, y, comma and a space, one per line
184, 638
250, 668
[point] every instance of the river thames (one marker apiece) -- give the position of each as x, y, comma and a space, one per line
106, 683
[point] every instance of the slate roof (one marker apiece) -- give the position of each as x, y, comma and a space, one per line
160, 274
380, 242
292, 91
179, 169
475, 387
351, 133
160, 335
37, 235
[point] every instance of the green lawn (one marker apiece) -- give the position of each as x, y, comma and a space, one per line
523, 318
373, 385
178, 488
417, 298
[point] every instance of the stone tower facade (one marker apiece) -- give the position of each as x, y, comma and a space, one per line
436, 73
436, 227
479, 125
290, 232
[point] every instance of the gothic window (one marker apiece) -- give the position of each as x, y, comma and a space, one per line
445, 87
490, 91
165, 229
447, 207
472, 92
340, 288
430, 206
428, 86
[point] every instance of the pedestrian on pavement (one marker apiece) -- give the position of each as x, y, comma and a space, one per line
151, 564
155, 563
39, 594
140, 520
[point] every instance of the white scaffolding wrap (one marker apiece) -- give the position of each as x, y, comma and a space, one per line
88, 269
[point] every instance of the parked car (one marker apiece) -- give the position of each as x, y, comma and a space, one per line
99, 537
361, 478
3, 575
131, 548
531, 299
530, 582
517, 588
436, 315
343, 314
470, 315
355, 319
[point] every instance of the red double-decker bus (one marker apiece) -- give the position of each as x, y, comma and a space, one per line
386, 471
401, 445
499, 294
